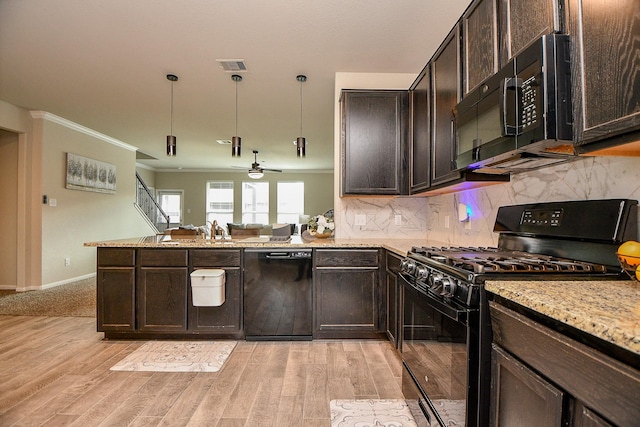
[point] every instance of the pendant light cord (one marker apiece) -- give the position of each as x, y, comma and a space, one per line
171, 131
301, 107
236, 107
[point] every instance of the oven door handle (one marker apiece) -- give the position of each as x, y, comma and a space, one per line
459, 314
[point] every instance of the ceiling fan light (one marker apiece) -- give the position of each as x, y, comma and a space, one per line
236, 143
301, 146
255, 174
171, 145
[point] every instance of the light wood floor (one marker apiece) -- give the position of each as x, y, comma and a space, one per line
54, 371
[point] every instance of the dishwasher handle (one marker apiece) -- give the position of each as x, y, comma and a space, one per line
288, 255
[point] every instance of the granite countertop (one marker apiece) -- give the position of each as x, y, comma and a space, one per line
399, 246
609, 310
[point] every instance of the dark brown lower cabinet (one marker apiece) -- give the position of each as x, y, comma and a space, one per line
520, 397
161, 299
542, 377
115, 283
225, 319
346, 293
393, 306
116, 299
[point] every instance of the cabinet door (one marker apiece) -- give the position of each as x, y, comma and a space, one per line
585, 417
480, 44
606, 64
446, 87
225, 318
393, 308
420, 132
345, 300
161, 299
524, 21
520, 397
115, 304
374, 134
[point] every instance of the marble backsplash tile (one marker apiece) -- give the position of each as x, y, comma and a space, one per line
583, 179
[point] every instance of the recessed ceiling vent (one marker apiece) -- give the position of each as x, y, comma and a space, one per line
233, 65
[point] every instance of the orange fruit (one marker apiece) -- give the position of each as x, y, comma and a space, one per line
638, 272
629, 252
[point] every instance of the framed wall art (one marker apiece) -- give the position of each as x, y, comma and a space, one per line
88, 174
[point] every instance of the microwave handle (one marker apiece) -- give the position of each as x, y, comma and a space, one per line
511, 84
454, 146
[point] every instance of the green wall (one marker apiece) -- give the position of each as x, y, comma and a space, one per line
318, 191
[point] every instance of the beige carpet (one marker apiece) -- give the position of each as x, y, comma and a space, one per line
177, 356
76, 299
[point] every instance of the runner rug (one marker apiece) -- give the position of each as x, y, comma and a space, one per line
371, 412
177, 356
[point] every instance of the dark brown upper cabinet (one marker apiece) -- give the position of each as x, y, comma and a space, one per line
524, 21
420, 97
374, 130
480, 43
445, 71
606, 63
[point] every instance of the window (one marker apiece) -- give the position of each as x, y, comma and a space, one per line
220, 202
290, 202
171, 203
255, 202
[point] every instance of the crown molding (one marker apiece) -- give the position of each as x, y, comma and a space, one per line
82, 129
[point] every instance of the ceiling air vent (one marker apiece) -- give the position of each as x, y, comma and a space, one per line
233, 65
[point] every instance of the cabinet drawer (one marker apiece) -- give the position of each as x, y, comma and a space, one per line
346, 258
163, 257
116, 257
215, 258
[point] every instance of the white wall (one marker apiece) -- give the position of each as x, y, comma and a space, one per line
82, 216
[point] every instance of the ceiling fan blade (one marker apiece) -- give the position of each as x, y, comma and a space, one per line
271, 170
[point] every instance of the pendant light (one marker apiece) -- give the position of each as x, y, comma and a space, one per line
236, 141
301, 142
171, 139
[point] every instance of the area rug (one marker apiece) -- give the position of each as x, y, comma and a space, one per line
77, 299
451, 411
177, 356
371, 413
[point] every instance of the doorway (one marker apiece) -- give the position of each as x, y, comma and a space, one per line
9, 209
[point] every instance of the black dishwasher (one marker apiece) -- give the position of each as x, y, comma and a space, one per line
277, 294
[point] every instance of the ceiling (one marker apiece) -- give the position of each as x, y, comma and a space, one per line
103, 65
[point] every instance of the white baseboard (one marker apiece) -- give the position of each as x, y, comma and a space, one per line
71, 280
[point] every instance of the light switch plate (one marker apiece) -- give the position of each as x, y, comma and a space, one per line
398, 220
361, 220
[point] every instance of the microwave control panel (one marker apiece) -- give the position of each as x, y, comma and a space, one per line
529, 114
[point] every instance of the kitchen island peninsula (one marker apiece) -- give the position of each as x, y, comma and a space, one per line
144, 286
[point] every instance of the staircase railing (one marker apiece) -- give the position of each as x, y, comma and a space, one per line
149, 205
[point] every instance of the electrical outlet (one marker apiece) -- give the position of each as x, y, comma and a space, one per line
361, 219
446, 221
53, 202
67, 261
398, 219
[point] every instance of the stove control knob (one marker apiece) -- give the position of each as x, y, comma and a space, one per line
449, 287
422, 273
407, 266
435, 282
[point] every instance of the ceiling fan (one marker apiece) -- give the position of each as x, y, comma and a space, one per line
257, 172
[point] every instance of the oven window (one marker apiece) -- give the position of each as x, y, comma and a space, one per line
435, 350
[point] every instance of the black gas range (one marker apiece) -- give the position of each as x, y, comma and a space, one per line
444, 355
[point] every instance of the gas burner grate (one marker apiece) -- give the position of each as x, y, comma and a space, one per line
493, 260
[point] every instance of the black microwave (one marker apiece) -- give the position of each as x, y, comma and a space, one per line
520, 118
